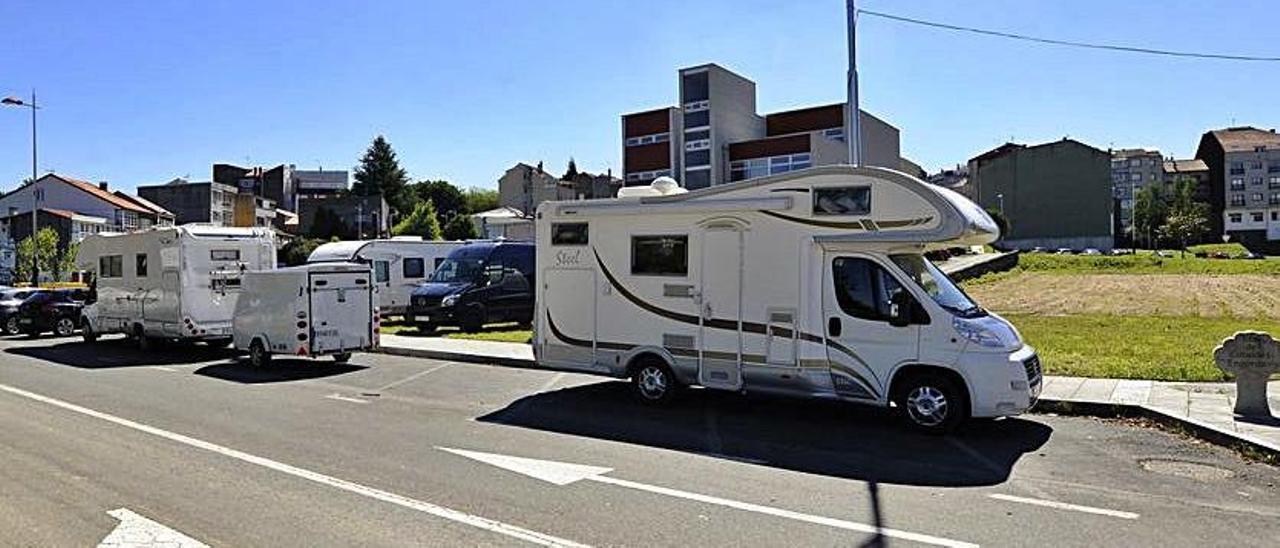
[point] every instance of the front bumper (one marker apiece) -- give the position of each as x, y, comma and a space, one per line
438, 315
1003, 384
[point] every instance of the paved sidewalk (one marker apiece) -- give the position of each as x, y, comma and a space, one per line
1203, 406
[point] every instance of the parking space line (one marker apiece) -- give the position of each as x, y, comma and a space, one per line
1065, 506
165, 368
340, 397
412, 377
450, 514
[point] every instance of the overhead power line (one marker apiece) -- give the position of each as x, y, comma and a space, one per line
1023, 37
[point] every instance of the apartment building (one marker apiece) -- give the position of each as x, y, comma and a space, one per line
1055, 195
62, 193
522, 187
194, 202
1133, 169
317, 183
716, 135
1244, 166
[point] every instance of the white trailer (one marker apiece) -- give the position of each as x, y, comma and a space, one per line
811, 283
178, 283
312, 310
399, 264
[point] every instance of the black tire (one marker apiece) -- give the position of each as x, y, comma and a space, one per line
342, 358
259, 357
86, 331
653, 382
932, 403
472, 320
64, 326
11, 326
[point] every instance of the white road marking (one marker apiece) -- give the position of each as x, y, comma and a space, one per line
136, 531
166, 368
340, 397
412, 377
351, 487
564, 473
1065, 506
551, 382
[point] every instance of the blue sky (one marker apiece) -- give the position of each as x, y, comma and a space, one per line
140, 92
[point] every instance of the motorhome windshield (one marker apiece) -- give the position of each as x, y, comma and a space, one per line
939, 287
461, 269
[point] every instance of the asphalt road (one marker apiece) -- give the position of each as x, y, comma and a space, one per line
311, 454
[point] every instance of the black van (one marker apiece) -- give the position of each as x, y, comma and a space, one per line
479, 283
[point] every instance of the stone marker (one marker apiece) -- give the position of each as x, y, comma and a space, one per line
1252, 356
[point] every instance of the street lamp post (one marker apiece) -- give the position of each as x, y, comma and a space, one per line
35, 195
1000, 198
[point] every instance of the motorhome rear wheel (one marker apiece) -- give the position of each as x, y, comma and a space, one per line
653, 381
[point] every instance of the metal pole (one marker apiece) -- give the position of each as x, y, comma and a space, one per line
35, 198
852, 115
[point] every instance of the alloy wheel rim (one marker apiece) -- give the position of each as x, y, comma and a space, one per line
653, 382
927, 406
65, 327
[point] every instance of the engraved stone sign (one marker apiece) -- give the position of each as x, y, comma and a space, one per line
1252, 356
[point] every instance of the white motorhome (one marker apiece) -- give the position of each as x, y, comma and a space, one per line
399, 264
312, 310
811, 283
170, 283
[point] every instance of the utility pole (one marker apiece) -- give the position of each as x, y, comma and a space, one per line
35, 192
852, 114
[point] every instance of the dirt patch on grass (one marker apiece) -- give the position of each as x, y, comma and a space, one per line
1242, 296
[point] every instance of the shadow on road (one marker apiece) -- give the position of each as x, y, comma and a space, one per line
828, 438
280, 370
114, 353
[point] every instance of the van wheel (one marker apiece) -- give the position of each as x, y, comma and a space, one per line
87, 332
342, 358
258, 355
653, 382
932, 403
472, 320
65, 327
11, 326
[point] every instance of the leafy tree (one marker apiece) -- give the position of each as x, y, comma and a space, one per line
45, 246
1188, 220
460, 227
327, 224
297, 251
481, 199
379, 172
1149, 213
66, 263
449, 199
571, 173
1002, 222
422, 222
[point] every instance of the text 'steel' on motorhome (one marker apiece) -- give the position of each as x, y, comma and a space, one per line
810, 283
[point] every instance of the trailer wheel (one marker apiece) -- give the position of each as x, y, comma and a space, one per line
653, 381
87, 332
931, 403
342, 358
258, 355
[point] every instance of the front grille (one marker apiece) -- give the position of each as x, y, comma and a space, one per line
424, 301
1032, 365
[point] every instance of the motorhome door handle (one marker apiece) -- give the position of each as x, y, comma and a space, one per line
833, 326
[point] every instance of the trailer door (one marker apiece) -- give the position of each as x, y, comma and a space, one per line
720, 356
341, 311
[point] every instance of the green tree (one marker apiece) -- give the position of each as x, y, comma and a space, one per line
481, 199
449, 199
297, 251
1188, 220
460, 227
571, 173
421, 222
1149, 213
66, 263
379, 172
45, 246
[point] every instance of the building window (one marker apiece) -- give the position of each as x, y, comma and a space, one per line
1135, 176
697, 106
697, 158
569, 234
1235, 217
666, 255
702, 144
854, 200
414, 267
698, 119
1237, 184
641, 176
1237, 168
697, 135
1256, 216
1273, 167
1275, 216
773, 165
1255, 165
1274, 182
834, 134
1237, 200
1257, 196
648, 139
111, 266
1256, 181
1275, 198
697, 178
1136, 162
140, 265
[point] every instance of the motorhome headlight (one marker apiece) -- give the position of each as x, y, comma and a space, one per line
988, 331
450, 300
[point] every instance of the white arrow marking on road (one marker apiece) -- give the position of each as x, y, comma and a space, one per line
137, 531
564, 473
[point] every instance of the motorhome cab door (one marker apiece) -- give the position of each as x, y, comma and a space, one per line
340, 311
864, 346
720, 357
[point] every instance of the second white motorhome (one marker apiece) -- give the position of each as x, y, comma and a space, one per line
399, 264
170, 283
811, 283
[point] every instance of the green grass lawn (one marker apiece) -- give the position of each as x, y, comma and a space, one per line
1143, 263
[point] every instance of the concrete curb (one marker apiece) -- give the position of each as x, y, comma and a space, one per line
458, 357
1198, 429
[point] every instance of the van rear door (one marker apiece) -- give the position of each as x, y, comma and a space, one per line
341, 311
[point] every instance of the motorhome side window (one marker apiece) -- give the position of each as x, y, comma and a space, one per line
414, 267
111, 266
568, 233
381, 271
845, 200
863, 288
666, 255
225, 254
140, 265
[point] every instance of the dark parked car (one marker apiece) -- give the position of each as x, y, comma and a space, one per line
9, 301
478, 284
57, 311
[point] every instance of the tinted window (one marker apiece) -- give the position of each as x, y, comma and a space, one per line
111, 266
695, 87
568, 233
697, 119
697, 158
381, 271
697, 179
225, 254
842, 201
414, 267
697, 135
863, 288
660, 255
140, 265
